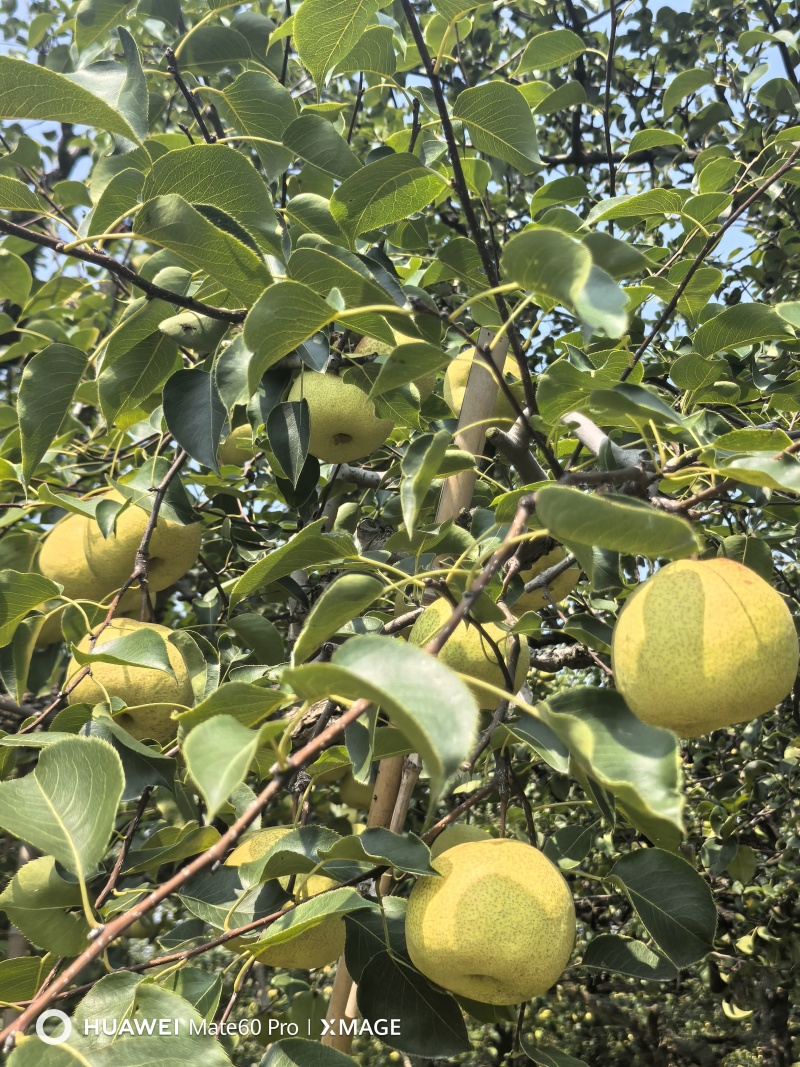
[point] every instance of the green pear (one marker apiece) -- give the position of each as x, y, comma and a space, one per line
344, 426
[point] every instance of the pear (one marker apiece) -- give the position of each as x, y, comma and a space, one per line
704, 644
317, 947
497, 926
344, 425
559, 588
238, 447
468, 653
151, 695
455, 384
457, 835
173, 548
91, 567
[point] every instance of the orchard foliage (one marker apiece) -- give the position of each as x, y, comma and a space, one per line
201, 201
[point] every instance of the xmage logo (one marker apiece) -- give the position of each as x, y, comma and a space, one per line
357, 1027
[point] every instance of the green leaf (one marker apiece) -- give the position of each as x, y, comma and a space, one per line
324, 268
685, 84
40, 903
408, 363
308, 915
313, 139
325, 31
623, 955
386, 191
645, 140
378, 845
500, 123
289, 432
691, 371
433, 1025
248, 704
287, 314
601, 305
297, 1052
218, 754
306, 550
638, 764
67, 807
740, 325
20, 978
453, 10
614, 522
551, 49
122, 88
419, 466
344, 599
15, 278
548, 1055
15, 196
195, 414
136, 373
214, 175
548, 261
19, 594
673, 902
427, 701
48, 385
171, 844
95, 17
260, 108
374, 52
206, 49
637, 206
172, 223
141, 648
28, 91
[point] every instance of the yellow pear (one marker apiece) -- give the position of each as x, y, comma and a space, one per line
344, 425
238, 447
468, 653
704, 644
317, 947
455, 384
497, 927
151, 695
457, 835
173, 548
63, 559
559, 588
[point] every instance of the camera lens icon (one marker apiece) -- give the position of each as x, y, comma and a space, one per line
59, 1037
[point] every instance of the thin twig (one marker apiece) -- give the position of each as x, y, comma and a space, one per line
711, 243
110, 885
120, 270
188, 95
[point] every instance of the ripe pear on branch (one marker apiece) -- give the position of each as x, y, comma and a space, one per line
704, 644
152, 695
468, 652
313, 948
497, 926
92, 567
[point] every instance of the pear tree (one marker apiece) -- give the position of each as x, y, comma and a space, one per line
399, 499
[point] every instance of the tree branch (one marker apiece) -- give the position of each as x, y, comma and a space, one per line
120, 270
